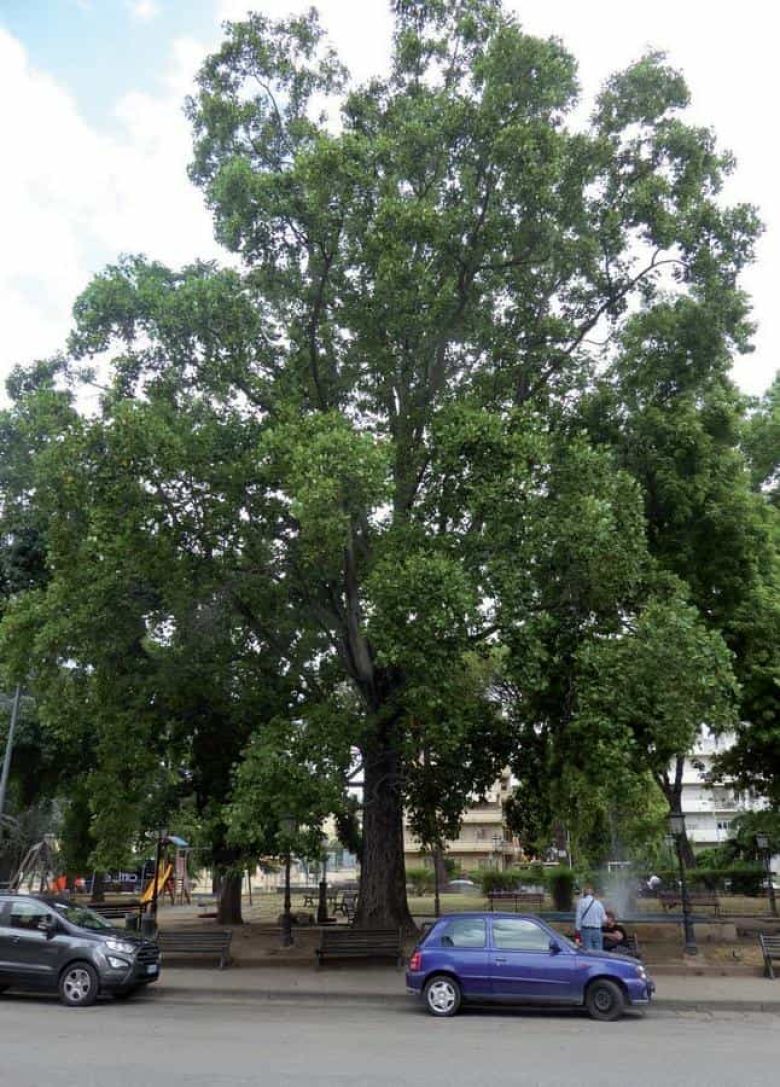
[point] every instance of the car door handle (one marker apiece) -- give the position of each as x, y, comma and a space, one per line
15, 939
499, 961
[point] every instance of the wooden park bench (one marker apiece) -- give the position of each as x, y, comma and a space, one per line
355, 943
530, 900
196, 942
116, 911
697, 899
770, 949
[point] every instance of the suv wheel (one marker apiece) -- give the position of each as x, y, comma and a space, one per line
604, 1000
78, 985
442, 995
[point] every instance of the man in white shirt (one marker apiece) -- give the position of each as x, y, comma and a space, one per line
589, 918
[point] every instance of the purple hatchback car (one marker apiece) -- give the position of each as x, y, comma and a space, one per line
509, 958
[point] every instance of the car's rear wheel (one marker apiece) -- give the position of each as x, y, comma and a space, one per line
78, 985
604, 1000
442, 996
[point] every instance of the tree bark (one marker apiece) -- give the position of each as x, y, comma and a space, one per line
672, 790
98, 891
229, 909
382, 900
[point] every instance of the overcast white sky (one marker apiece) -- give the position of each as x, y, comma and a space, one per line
96, 147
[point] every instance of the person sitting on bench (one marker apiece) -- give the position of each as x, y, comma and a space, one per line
613, 933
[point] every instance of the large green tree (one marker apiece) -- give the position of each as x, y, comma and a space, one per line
364, 434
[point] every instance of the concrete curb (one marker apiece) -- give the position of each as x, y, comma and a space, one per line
349, 999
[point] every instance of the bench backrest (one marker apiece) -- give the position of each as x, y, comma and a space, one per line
333, 938
770, 945
191, 940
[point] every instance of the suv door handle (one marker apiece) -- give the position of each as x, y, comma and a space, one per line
499, 960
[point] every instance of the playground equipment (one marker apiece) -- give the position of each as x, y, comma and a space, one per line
37, 864
164, 886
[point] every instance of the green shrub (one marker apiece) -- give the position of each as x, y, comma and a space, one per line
560, 882
532, 875
742, 878
491, 880
420, 880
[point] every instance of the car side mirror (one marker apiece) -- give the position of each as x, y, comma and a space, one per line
555, 947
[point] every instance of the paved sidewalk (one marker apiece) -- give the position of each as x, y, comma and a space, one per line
372, 985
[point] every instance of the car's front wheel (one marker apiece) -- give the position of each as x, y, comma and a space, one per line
442, 995
604, 1000
78, 985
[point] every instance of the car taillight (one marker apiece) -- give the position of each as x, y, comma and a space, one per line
415, 963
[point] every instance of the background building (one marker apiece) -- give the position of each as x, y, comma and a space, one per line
484, 840
710, 810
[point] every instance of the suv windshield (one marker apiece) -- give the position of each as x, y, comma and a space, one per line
81, 916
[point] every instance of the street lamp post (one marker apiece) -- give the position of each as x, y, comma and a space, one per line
322, 906
287, 826
9, 746
677, 827
762, 841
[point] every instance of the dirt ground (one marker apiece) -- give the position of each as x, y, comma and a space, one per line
257, 942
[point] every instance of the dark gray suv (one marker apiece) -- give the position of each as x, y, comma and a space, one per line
53, 944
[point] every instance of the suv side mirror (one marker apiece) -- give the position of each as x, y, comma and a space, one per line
555, 947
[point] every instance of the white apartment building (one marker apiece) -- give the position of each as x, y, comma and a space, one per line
709, 810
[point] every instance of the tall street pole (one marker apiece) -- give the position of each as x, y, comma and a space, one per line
9, 744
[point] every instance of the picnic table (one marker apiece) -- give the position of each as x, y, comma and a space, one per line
338, 900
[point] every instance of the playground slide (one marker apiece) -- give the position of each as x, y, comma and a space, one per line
164, 875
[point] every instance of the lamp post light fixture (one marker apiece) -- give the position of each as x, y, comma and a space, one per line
762, 841
287, 825
677, 828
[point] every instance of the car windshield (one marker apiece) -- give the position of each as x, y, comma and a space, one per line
81, 916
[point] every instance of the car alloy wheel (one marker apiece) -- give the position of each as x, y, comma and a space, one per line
605, 1000
442, 996
78, 985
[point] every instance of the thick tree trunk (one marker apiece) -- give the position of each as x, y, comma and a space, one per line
672, 790
229, 909
98, 891
382, 900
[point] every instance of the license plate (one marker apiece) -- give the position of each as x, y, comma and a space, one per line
152, 969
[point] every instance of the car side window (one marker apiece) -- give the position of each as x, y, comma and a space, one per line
516, 934
30, 916
464, 932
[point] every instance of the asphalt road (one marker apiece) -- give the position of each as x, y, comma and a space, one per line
162, 1043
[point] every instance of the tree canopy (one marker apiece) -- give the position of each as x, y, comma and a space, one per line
359, 496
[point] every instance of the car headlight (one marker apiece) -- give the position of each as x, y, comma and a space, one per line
120, 945
117, 964
641, 972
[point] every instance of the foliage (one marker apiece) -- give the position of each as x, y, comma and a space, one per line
560, 882
492, 879
321, 488
421, 880
736, 878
